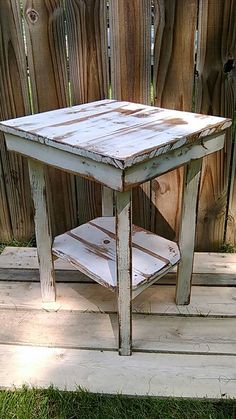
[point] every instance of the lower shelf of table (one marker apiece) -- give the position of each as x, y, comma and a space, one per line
91, 248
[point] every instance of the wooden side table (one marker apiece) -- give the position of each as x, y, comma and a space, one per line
120, 145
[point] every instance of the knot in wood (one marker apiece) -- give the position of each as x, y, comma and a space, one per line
32, 15
106, 241
229, 65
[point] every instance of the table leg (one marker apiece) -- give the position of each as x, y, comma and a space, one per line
42, 230
192, 172
107, 202
124, 270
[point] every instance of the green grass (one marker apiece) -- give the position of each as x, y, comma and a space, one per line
55, 404
16, 243
228, 248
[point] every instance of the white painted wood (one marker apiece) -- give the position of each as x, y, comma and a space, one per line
170, 159
107, 202
152, 281
192, 172
103, 173
100, 331
21, 263
104, 372
117, 133
158, 299
91, 247
42, 230
124, 270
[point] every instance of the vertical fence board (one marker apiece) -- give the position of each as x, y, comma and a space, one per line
230, 237
88, 63
174, 28
16, 209
130, 34
214, 95
45, 39
157, 203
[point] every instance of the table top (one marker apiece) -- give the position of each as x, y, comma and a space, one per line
117, 133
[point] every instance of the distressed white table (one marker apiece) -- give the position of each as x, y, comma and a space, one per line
120, 145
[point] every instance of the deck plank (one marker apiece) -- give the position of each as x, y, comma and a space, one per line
21, 264
142, 374
157, 299
172, 334
178, 351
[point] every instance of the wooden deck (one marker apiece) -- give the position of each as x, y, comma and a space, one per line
178, 351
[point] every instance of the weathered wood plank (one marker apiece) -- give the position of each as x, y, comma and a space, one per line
192, 173
79, 165
142, 374
87, 44
117, 179
120, 134
32, 275
215, 95
107, 202
42, 230
230, 234
172, 159
124, 264
21, 264
46, 49
16, 209
5, 220
174, 26
204, 263
158, 299
88, 66
92, 248
130, 36
100, 331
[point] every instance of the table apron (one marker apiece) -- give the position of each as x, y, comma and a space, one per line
173, 159
114, 178
78, 165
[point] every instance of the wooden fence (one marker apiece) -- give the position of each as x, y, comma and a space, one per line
172, 53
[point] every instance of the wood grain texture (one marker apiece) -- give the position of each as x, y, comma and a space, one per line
107, 202
101, 172
119, 134
192, 172
215, 95
124, 265
92, 249
87, 48
173, 159
173, 72
45, 39
16, 210
172, 334
42, 230
211, 301
143, 374
21, 264
130, 49
74, 276
88, 65
230, 235
130, 36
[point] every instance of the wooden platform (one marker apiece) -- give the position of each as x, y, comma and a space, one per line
91, 248
178, 351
